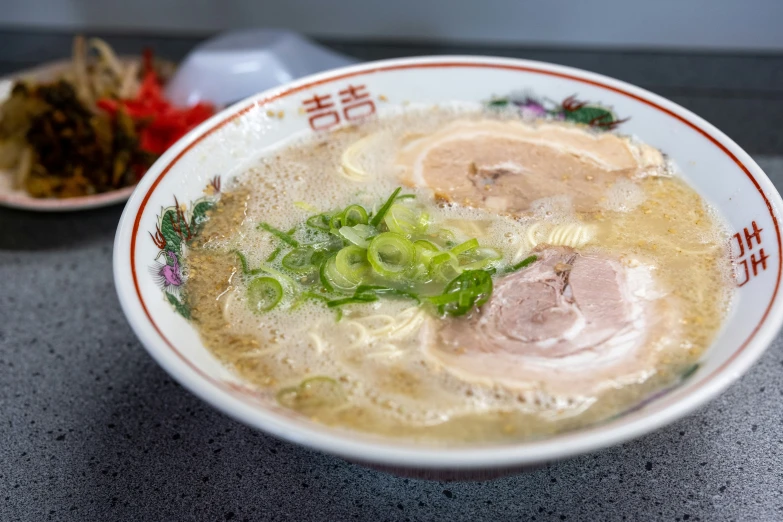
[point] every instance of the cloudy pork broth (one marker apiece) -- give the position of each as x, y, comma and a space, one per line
526, 278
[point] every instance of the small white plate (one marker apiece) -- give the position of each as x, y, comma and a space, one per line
19, 198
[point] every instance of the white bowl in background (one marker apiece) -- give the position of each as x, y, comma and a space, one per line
711, 162
237, 64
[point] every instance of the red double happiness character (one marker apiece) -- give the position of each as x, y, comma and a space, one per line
757, 259
356, 103
323, 115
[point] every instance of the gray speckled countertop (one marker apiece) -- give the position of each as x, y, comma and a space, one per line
92, 429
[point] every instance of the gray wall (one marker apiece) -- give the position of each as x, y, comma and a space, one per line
694, 24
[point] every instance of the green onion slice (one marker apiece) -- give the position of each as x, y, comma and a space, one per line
479, 258
351, 262
284, 237
445, 266
467, 246
264, 293
385, 290
336, 222
364, 298
276, 252
445, 236
334, 280
391, 255
472, 288
358, 235
300, 260
404, 220
264, 269
314, 296
321, 221
425, 251
319, 256
522, 264
354, 215
332, 244
377, 218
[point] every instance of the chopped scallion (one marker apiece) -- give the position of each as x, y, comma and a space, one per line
299, 260
276, 252
470, 289
467, 246
377, 218
321, 221
368, 298
391, 255
284, 237
522, 264
354, 215
351, 262
264, 293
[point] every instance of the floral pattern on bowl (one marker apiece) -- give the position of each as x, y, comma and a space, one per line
531, 107
177, 226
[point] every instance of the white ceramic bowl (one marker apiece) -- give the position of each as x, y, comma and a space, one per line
719, 169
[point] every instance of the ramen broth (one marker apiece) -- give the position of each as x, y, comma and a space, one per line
386, 366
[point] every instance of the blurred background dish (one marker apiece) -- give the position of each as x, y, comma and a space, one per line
80, 133
238, 64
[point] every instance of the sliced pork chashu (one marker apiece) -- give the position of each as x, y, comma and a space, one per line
570, 325
505, 166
